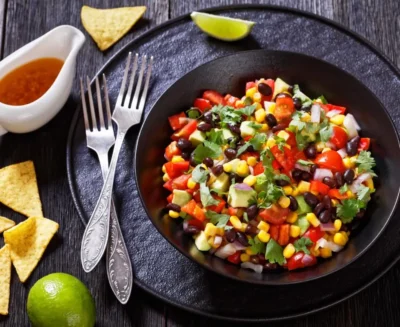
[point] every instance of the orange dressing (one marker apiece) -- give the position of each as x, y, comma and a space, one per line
29, 82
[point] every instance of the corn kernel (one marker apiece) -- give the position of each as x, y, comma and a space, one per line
262, 225
337, 120
347, 162
236, 223
326, 150
260, 115
220, 231
319, 146
177, 159
335, 202
339, 239
271, 142
289, 251
239, 103
345, 235
284, 202
210, 229
284, 135
295, 191
173, 214
312, 219
303, 187
314, 192
164, 170
287, 190
252, 161
252, 118
292, 217
243, 228
264, 127
244, 257
269, 107
227, 167
166, 177
191, 183
211, 240
242, 169
305, 117
294, 231
315, 252
257, 97
337, 224
370, 184
258, 105
350, 194
250, 180
249, 251
325, 252
250, 92
263, 236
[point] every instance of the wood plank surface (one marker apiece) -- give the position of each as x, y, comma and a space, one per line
24, 20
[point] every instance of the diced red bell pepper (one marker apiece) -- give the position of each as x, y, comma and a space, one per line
168, 185
314, 234
180, 183
169, 198
274, 232
247, 138
319, 187
234, 258
334, 107
284, 234
213, 96
186, 131
285, 158
232, 211
364, 144
175, 169
330, 160
250, 85
197, 223
258, 168
202, 104
297, 261
230, 100
175, 121
172, 150
275, 214
291, 140
217, 208
247, 155
335, 194
276, 165
191, 208
298, 154
196, 196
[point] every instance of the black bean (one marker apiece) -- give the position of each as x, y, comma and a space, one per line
310, 199
234, 128
297, 103
238, 179
271, 120
326, 200
192, 162
313, 168
278, 128
251, 230
293, 206
183, 144
306, 176
190, 229
250, 148
185, 155
271, 266
360, 214
230, 153
264, 89
325, 216
217, 170
240, 143
252, 211
208, 117
205, 127
348, 176
296, 174
241, 237
339, 179
282, 182
355, 224
254, 259
318, 209
173, 206
310, 151
230, 235
329, 181
352, 146
306, 108
208, 162
261, 258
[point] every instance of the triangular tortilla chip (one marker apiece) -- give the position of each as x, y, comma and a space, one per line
5, 224
5, 278
28, 241
107, 26
19, 190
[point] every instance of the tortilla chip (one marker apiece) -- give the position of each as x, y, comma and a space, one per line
19, 190
5, 224
5, 279
28, 241
107, 26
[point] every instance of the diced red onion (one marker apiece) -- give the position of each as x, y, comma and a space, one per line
330, 145
358, 181
251, 170
333, 113
217, 240
315, 113
249, 265
321, 173
307, 259
243, 187
301, 167
356, 123
351, 125
342, 152
327, 227
323, 243
238, 246
225, 251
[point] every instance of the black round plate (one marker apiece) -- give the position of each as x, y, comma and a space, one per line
178, 47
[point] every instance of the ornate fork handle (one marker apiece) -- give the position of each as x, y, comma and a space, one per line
96, 234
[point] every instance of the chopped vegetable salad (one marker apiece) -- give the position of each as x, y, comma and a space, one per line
271, 180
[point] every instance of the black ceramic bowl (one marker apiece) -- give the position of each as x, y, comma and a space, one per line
229, 75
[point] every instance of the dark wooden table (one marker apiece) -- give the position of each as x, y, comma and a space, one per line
24, 20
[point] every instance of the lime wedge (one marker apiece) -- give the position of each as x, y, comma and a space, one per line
223, 28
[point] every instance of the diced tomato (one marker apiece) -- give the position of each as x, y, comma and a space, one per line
275, 214
218, 208
199, 214
247, 155
175, 122
196, 196
234, 258
168, 185
213, 96
319, 187
250, 85
230, 100
298, 154
284, 108
169, 198
314, 234
364, 144
285, 158
172, 150
334, 107
284, 234
186, 131
297, 261
335, 194
175, 169
232, 211
330, 160
258, 168
247, 138
202, 104
191, 208
291, 140
339, 137
276, 165
197, 223
180, 183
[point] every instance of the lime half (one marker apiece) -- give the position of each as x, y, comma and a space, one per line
223, 28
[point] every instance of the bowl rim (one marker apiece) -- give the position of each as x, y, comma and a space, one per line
262, 282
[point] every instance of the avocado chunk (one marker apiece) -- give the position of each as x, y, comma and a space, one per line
280, 86
201, 242
197, 137
246, 129
227, 134
181, 197
303, 223
240, 194
303, 206
234, 163
221, 183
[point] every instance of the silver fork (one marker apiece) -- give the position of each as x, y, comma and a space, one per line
126, 114
100, 140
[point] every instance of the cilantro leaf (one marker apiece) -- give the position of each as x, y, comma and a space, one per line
274, 253
321, 99
365, 163
206, 149
246, 217
302, 243
326, 133
217, 219
304, 162
270, 194
256, 245
349, 209
247, 111
216, 136
199, 174
194, 113
282, 177
206, 197
255, 125
230, 115
364, 193
280, 142
343, 189
257, 142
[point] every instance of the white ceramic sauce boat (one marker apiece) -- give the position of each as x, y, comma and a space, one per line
62, 42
